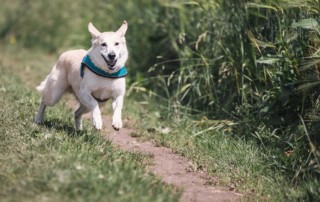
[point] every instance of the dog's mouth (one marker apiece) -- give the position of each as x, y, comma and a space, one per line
111, 63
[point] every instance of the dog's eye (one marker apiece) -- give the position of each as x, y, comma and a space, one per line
116, 44
104, 44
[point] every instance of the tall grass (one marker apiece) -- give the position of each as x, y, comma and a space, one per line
254, 62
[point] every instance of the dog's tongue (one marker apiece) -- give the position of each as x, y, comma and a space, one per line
112, 63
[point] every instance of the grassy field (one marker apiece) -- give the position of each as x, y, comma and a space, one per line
52, 162
236, 83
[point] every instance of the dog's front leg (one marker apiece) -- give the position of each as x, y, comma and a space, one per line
117, 104
89, 102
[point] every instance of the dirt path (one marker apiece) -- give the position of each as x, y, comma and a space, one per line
172, 168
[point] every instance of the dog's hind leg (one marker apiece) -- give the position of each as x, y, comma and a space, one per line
78, 116
51, 90
40, 115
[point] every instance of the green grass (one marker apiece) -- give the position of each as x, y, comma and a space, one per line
232, 161
52, 162
251, 63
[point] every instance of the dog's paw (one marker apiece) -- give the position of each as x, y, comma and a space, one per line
117, 124
38, 120
78, 125
97, 122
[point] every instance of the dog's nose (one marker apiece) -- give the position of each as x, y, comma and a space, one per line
111, 55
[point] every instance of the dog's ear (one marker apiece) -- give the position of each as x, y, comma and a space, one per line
94, 32
122, 30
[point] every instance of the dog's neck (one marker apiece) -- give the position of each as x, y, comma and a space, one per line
88, 63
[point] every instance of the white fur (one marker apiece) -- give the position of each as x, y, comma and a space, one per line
65, 76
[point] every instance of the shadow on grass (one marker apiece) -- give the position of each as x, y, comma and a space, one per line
90, 136
58, 125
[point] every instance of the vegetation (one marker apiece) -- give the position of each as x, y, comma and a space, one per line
52, 162
236, 81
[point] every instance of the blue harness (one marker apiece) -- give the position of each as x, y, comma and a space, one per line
87, 62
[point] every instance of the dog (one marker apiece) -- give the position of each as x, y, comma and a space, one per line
93, 76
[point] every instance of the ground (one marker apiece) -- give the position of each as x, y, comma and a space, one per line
171, 167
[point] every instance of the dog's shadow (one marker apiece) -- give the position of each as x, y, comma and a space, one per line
68, 128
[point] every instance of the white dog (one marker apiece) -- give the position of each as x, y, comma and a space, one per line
93, 76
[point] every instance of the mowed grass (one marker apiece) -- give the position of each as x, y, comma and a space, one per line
52, 162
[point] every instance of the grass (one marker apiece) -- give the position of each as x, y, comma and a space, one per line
236, 81
251, 64
232, 161
52, 162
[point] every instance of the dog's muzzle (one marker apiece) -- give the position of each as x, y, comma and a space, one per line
110, 60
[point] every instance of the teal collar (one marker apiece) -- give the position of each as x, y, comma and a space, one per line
87, 62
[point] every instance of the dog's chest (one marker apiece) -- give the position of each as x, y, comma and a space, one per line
108, 88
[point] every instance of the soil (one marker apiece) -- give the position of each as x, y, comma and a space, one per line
172, 168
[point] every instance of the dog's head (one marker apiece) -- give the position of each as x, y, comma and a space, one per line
109, 51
